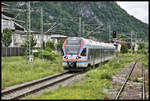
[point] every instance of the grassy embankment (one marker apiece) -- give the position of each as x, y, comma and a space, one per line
15, 70
95, 82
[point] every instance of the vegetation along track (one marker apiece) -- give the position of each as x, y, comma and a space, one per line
143, 97
18, 91
143, 85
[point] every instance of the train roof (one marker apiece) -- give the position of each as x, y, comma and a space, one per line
92, 43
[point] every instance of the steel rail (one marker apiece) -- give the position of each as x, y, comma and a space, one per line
122, 88
12, 88
124, 84
54, 79
143, 83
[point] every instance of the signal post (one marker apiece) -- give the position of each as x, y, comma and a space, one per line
115, 37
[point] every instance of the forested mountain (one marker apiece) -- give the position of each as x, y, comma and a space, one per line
69, 14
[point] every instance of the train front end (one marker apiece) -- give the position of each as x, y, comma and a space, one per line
75, 54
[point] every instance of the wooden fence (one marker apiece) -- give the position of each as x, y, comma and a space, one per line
12, 51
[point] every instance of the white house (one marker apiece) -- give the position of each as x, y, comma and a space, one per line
7, 22
19, 38
38, 38
47, 37
57, 37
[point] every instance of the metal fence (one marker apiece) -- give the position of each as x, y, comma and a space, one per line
12, 51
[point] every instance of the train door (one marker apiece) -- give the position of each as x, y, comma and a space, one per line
84, 54
90, 56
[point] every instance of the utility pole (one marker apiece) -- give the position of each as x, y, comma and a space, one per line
136, 41
136, 37
28, 35
131, 42
42, 30
109, 26
29, 28
83, 29
145, 45
80, 27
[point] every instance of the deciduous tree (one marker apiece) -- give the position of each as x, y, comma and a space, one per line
32, 42
6, 37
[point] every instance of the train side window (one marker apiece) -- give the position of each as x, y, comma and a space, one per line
62, 52
83, 52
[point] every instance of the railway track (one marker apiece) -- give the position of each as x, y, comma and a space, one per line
19, 91
143, 84
143, 94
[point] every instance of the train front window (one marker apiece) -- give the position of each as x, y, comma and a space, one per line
83, 52
72, 50
72, 46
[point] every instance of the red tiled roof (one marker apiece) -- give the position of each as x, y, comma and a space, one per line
3, 4
121, 42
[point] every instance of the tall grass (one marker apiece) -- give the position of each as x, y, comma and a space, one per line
94, 83
15, 70
145, 60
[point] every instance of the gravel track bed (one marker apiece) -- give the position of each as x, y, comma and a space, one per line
132, 90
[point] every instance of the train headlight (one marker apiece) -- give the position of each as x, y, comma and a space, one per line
78, 57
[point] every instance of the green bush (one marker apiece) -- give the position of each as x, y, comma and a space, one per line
48, 49
35, 54
50, 45
124, 48
141, 51
136, 79
106, 76
59, 45
129, 78
118, 65
141, 45
6, 37
129, 51
46, 54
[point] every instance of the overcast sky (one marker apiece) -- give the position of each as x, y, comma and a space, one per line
138, 9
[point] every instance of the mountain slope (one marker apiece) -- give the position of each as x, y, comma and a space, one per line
102, 13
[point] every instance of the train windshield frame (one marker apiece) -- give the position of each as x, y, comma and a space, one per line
72, 46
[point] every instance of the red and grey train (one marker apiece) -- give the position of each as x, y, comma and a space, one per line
81, 53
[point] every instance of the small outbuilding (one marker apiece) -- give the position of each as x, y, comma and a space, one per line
118, 44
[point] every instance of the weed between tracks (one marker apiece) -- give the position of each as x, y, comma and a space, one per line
94, 84
16, 71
